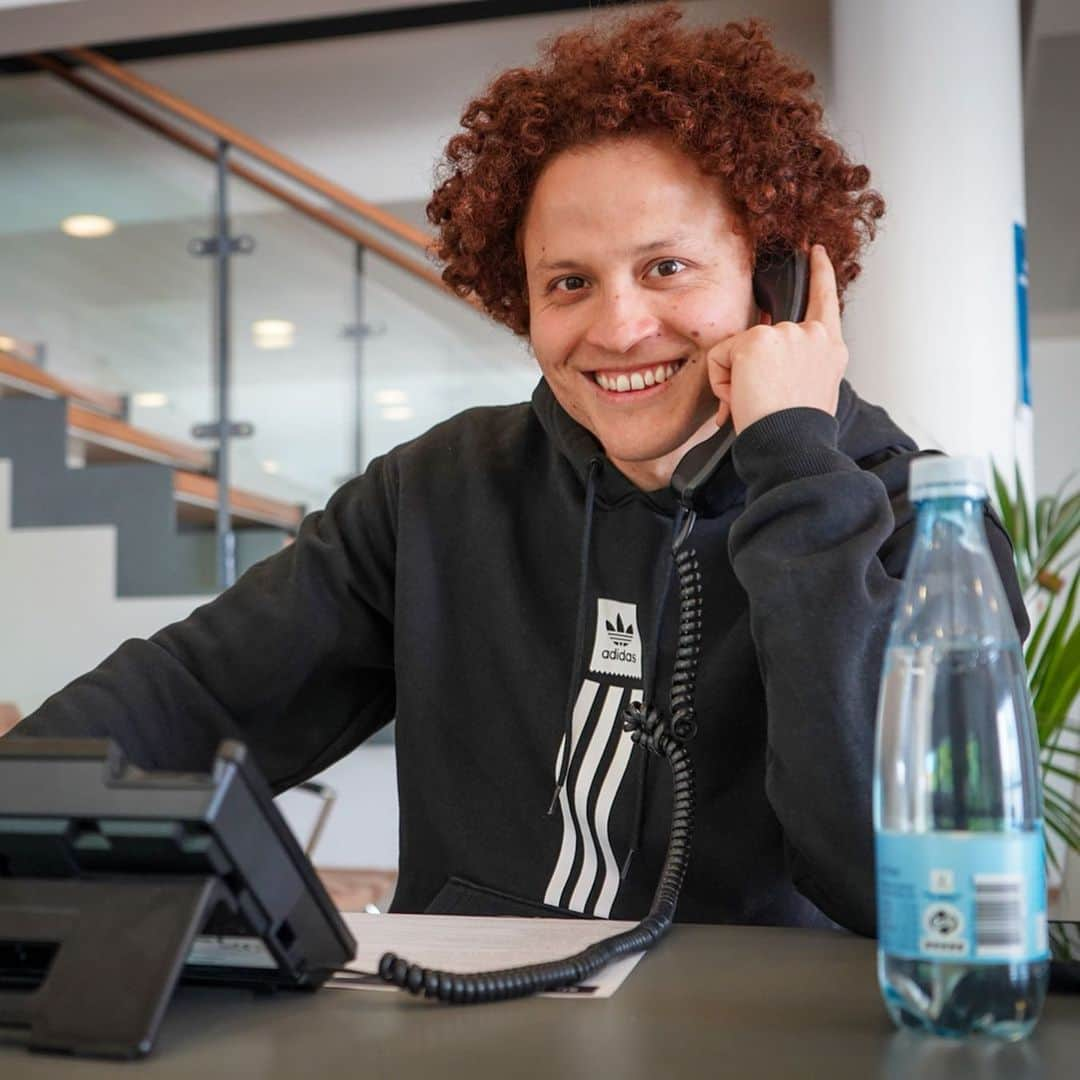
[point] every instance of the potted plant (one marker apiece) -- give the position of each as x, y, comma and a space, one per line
1046, 551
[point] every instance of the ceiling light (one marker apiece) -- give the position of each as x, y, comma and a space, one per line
8, 344
150, 399
87, 225
398, 412
390, 397
272, 468
273, 333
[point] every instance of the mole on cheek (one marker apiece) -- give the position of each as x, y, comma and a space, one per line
695, 333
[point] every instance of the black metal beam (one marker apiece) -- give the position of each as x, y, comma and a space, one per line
333, 26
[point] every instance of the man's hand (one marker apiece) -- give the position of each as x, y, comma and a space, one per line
768, 368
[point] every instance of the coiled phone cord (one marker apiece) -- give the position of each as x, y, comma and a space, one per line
655, 735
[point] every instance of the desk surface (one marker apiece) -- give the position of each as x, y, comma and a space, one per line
709, 1001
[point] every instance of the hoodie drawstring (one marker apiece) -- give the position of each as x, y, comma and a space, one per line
647, 698
579, 634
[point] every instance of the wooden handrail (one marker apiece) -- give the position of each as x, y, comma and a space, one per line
313, 211
32, 379
203, 491
123, 438
242, 141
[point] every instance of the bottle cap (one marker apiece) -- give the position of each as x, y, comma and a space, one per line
939, 477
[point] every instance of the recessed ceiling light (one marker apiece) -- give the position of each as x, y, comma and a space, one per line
273, 333
398, 412
390, 397
87, 225
150, 399
271, 467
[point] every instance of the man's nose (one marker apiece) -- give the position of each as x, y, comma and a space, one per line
622, 320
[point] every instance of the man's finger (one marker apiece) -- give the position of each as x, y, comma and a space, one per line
824, 302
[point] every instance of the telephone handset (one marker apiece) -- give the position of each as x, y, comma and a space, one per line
781, 290
782, 286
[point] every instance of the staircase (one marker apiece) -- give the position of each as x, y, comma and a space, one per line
157, 492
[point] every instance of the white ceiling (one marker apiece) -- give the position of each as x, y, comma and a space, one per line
30, 25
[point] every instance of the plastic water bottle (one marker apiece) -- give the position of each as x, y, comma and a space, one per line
961, 883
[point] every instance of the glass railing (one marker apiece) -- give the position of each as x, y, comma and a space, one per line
95, 220
335, 351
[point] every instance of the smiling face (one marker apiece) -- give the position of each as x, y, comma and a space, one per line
634, 273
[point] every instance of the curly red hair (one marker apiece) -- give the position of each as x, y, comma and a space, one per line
723, 96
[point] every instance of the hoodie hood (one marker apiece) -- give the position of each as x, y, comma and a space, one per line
865, 433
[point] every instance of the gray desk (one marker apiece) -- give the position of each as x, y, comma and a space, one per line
710, 1001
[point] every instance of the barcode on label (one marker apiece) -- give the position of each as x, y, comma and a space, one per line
999, 915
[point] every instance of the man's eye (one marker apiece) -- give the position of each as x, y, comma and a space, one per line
573, 283
667, 267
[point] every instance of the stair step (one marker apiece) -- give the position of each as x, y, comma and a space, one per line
197, 498
103, 439
18, 376
97, 433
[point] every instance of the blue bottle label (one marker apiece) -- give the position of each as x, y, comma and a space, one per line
970, 897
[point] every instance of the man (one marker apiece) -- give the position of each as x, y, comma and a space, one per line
610, 204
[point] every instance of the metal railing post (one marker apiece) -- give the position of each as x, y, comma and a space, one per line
358, 364
223, 246
226, 538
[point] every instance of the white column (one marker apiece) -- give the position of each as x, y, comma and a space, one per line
927, 93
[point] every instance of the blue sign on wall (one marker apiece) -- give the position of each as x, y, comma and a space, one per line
1023, 354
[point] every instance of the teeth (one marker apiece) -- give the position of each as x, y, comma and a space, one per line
639, 380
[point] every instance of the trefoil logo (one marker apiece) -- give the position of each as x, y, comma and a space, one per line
621, 635
617, 642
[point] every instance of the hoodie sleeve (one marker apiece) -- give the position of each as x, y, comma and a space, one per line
820, 553
296, 659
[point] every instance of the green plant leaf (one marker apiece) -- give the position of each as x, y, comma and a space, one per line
1051, 751
1052, 856
1023, 521
1062, 820
1005, 504
1063, 626
1062, 807
1067, 814
1044, 511
1062, 531
1063, 681
1049, 652
1032, 649
1063, 773
1065, 507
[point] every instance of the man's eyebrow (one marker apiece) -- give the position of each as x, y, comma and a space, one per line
643, 249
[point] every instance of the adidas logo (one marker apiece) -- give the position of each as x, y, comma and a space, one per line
617, 644
620, 634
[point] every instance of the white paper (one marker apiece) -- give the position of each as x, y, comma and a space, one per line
474, 943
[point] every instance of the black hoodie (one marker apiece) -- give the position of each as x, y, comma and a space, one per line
447, 587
